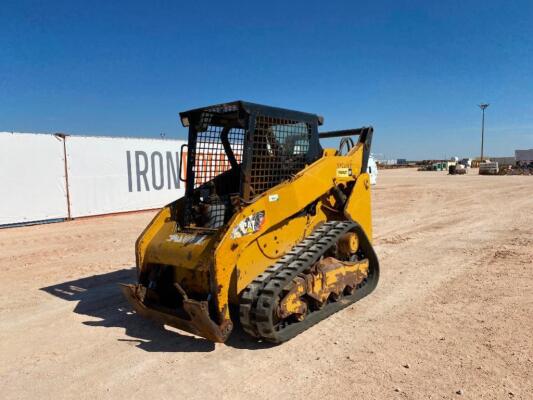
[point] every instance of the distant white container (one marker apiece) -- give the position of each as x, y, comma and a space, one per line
372, 170
454, 159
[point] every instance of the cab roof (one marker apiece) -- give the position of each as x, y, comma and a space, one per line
253, 108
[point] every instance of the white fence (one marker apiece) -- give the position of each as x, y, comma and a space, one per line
32, 178
108, 175
49, 176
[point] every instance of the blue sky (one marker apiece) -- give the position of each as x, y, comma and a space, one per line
415, 70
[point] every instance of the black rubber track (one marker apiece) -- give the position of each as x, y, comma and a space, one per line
250, 294
260, 298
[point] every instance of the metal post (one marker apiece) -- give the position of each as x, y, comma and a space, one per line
482, 106
63, 138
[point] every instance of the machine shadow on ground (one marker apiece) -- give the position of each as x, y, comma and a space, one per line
99, 296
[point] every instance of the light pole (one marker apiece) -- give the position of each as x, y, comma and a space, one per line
482, 106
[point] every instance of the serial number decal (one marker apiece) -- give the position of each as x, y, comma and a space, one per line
249, 225
344, 172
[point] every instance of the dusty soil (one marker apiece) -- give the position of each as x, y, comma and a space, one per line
452, 316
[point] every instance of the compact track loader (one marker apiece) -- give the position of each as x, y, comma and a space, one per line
272, 227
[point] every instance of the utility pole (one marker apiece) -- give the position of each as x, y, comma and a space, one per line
482, 106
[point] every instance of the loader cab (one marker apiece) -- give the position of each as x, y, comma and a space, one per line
237, 151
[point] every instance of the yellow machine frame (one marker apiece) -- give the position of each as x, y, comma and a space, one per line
221, 264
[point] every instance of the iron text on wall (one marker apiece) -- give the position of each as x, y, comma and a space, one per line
154, 170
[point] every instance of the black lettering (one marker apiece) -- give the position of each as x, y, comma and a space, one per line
128, 160
141, 172
155, 167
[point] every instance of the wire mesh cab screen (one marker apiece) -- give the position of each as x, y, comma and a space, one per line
215, 155
239, 150
279, 149
210, 158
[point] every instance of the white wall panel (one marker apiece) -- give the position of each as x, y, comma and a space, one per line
108, 175
32, 178
524, 155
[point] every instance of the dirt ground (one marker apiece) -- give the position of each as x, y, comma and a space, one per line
452, 316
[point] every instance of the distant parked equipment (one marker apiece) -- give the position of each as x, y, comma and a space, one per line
387, 162
488, 168
457, 169
467, 162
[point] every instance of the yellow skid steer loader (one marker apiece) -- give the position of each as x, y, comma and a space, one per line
271, 225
